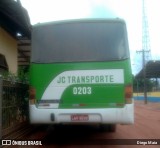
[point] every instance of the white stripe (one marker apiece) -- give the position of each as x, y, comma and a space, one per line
55, 89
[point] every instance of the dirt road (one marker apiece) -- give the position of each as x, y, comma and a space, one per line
146, 128
147, 123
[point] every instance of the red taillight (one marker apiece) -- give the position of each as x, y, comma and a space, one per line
32, 95
128, 94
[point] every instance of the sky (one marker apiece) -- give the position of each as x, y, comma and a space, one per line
130, 10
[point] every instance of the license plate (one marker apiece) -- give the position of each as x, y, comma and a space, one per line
79, 117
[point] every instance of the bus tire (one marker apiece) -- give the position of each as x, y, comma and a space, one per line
112, 127
103, 127
108, 127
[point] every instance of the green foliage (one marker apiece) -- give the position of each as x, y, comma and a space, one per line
23, 75
138, 84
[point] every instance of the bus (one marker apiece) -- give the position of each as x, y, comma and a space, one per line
80, 72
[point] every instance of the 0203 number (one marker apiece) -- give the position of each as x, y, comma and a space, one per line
82, 90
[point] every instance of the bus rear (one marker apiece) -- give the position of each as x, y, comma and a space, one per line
80, 73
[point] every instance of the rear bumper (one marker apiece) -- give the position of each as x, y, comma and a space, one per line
107, 115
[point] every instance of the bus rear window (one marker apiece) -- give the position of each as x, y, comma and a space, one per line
79, 41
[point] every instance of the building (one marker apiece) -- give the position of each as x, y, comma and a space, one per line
15, 34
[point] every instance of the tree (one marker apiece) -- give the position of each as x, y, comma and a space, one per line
138, 84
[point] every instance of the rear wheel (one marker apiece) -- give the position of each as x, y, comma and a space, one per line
108, 127
112, 127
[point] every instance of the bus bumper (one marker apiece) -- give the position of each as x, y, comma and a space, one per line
106, 115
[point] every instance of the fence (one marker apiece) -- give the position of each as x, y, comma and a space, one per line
14, 106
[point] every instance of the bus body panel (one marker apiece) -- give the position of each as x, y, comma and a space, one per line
123, 115
80, 72
85, 87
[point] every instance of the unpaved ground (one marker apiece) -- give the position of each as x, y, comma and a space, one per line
147, 122
146, 126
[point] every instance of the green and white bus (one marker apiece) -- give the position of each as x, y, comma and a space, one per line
80, 72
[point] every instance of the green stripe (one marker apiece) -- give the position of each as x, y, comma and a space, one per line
103, 95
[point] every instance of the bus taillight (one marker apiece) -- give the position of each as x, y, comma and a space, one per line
128, 94
32, 95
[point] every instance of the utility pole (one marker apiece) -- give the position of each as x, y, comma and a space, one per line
145, 46
144, 73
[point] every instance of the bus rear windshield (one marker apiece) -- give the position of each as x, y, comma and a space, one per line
79, 41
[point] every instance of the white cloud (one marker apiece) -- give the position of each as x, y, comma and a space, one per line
130, 10
52, 10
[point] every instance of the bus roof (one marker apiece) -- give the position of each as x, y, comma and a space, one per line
120, 20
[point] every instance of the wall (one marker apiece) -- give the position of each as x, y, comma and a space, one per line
8, 47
